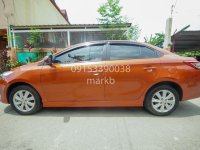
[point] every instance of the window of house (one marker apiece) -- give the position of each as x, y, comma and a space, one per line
43, 40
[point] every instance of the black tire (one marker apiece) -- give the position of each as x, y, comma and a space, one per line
148, 100
38, 105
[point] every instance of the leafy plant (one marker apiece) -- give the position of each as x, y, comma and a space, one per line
110, 13
13, 64
3, 60
111, 18
189, 53
156, 40
34, 38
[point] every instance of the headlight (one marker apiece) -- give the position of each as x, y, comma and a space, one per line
5, 74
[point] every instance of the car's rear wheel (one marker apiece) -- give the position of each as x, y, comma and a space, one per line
162, 100
25, 100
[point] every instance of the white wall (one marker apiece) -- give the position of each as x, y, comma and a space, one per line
29, 12
37, 12
6, 13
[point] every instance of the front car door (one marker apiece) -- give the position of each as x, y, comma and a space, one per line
133, 67
67, 79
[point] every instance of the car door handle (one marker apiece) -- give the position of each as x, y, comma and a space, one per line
149, 68
96, 73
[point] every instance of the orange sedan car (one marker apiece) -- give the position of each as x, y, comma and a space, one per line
103, 74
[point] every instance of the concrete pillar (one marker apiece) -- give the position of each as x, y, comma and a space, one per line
68, 38
168, 30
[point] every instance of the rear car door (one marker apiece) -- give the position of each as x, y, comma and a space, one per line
133, 68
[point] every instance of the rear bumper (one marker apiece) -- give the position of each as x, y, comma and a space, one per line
3, 96
191, 88
191, 93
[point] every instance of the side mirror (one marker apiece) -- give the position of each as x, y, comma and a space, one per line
69, 55
49, 60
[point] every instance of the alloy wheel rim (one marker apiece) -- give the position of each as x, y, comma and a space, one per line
24, 100
163, 101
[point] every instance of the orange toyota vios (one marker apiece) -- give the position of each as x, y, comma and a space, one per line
103, 74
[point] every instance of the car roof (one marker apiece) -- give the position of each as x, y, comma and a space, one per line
114, 41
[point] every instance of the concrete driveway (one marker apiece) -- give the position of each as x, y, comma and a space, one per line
101, 129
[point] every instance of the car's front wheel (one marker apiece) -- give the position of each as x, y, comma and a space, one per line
162, 100
25, 100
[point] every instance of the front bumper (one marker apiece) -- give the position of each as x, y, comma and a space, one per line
3, 97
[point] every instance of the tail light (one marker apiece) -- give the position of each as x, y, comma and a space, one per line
193, 64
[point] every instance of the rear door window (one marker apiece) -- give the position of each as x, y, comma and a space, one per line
128, 51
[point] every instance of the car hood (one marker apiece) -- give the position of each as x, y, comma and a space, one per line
30, 66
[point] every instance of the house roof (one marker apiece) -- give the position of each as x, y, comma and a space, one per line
186, 40
60, 11
64, 12
69, 26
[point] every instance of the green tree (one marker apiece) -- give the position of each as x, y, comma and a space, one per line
111, 18
156, 40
